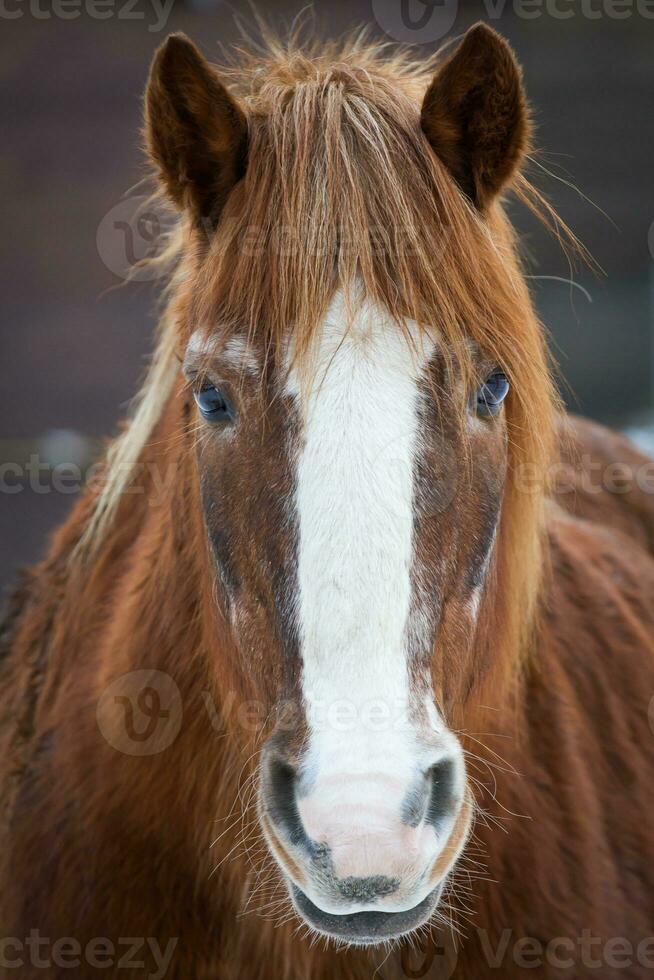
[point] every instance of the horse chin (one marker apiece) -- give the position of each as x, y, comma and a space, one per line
365, 928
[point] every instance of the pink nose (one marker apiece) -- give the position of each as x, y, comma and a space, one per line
365, 833
362, 841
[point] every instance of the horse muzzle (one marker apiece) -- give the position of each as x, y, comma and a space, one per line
365, 853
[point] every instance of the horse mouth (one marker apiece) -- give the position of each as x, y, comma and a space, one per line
365, 928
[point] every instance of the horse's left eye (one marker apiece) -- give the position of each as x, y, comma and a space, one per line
491, 394
213, 405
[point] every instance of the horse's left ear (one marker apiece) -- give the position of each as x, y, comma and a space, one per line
475, 115
196, 132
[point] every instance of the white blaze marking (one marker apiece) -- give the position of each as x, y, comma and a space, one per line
355, 511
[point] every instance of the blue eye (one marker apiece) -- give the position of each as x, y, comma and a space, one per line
213, 405
491, 394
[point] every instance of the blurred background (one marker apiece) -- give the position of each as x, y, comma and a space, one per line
74, 345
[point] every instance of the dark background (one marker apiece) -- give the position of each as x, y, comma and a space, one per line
73, 347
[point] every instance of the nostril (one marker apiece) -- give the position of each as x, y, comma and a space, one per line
279, 779
433, 798
442, 794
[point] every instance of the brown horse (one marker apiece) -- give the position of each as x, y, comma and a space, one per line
326, 629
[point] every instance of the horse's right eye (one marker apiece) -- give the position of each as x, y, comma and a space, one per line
213, 405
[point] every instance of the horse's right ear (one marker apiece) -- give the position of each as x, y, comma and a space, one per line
196, 132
